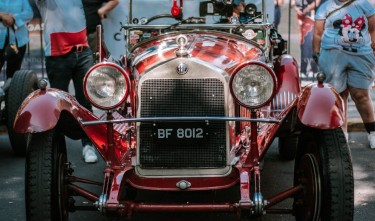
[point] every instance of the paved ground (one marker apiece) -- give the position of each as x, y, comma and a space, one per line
12, 207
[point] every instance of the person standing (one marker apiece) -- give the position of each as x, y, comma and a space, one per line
239, 6
95, 11
68, 56
277, 17
305, 10
14, 16
344, 45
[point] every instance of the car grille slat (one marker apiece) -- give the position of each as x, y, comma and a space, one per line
183, 97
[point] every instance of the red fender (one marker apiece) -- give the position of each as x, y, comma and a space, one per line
320, 106
42, 109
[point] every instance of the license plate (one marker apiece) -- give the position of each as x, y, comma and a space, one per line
180, 133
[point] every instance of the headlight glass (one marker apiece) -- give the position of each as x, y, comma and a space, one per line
253, 85
106, 85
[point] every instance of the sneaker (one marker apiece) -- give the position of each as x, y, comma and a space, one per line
371, 139
89, 155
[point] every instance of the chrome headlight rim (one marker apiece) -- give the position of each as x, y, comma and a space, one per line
119, 69
270, 71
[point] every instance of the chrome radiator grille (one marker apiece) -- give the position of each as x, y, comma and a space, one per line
183, 97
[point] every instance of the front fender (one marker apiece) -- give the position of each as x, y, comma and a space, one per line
43, 109
320, 106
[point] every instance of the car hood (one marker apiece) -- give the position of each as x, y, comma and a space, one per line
225, 51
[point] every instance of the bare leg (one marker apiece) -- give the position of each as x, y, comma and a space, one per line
363, 102
344, 95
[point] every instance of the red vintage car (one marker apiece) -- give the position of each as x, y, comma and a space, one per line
193, 106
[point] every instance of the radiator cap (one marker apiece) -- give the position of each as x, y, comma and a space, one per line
182, 42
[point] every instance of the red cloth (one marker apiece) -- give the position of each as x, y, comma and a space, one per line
306, 25
63, 42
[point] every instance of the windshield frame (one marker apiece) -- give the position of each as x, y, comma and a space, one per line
179, 26
263, 9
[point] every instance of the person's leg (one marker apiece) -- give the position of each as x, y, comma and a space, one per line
2, 61
360, 80
306, 51
301, 45
277, 16
313, 64
14, 63
304, 60
365, 107
59, 70
84, 63
345, 95
363, 102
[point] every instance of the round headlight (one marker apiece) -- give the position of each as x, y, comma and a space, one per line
106, 85
253, 85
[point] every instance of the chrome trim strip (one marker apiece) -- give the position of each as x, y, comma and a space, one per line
172, 173
191, 26
161, 119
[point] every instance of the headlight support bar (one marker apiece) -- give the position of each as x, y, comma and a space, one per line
181, 119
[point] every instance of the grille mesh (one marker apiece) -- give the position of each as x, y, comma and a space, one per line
183, 97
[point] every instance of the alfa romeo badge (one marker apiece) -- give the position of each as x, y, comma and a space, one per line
182, 69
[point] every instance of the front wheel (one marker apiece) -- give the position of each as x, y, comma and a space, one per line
46, 168
324, 168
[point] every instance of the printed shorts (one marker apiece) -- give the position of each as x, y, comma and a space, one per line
345, 70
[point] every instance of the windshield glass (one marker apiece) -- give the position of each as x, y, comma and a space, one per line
157, 12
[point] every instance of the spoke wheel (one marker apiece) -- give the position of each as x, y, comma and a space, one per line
309, 204
61, 187
323, 167
46, 170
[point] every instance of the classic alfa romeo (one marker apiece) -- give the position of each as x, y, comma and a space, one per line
193, 106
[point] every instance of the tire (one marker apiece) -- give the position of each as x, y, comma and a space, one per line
288, 147
23, 83
324, 168
46, 193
